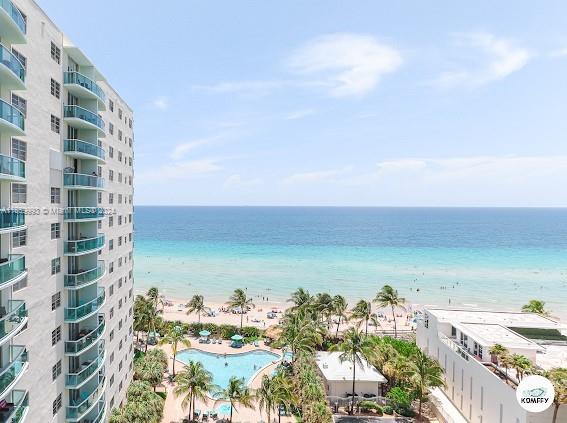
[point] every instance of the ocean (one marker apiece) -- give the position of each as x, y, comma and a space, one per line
488, 257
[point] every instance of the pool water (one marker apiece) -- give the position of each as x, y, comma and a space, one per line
223, 367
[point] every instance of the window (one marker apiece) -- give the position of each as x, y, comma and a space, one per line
56, 335
55, 88
55, 265
55, 195
120, 114
111, 312
111, 105
19, 149
111, 245
111, 358
111, 292
19, 193
57, 404
110, 175
20, 104
55, 230
99, 197
111, 198
56, 370
110, 152
111, 129
55, 53
55, 124
111, 267
110, 221
23, 60
130, 123
19, 238
119, 241
111, 335
112, 380
119, 135
55, 300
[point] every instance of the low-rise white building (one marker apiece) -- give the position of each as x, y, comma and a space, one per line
337, 376
483, 392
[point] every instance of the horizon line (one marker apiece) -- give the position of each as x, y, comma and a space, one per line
357, 206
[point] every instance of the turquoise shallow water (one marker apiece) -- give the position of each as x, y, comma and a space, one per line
241, 365
496, 257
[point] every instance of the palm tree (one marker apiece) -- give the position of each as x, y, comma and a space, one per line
274, 391
193, 382
558, 377
324, 307
340, 306
196, 305
535, 306
362, 311
300, 333
300, 298
497, 351
150, 371
265, 395
154, 297
521, 364
388, 296
424, 373
236, 393
506, 362
239, 299
174, 337
283, 392
355, 348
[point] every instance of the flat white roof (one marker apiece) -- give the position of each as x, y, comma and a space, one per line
504, 318
489, 334
333, 369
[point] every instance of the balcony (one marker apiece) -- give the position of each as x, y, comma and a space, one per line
12, 270
12, 23
86, 371
82, 311
101, 411
17, 405
83, 214
84, 277
83, 150
82, 181
78, 247
12, 72
12, 169
12, 220
18, 363
13, 320
80, 117
86, 339
84, 87
12, 121
86, 402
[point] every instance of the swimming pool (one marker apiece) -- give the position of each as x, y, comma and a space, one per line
223, 367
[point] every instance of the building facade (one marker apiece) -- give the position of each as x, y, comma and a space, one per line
475, 384
66, 227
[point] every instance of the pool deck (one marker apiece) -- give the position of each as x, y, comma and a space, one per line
173, 411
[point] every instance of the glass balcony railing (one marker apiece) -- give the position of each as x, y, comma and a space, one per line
15, 14
80, 180
77, 408
73, 380
83, 147
12, 166
12, 267
13, 318
83, 213
73, 314
83, 114
77, 78
17, 404
12, 115
18, 360
84, 245
82, 278
12, 219
8, 59
101, 409
88, 338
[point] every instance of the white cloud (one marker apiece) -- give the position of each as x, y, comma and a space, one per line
560, 52
160, 103
182, 149
489, 58
256, 88
312, 177
182, 170
299, 114
349, 64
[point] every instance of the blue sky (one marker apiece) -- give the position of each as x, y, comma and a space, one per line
337, 103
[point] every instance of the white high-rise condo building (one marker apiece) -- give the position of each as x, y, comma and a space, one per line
478, 389
66, 178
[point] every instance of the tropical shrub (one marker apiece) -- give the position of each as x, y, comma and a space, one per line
366, 406
400, 399
388, 409
142, 405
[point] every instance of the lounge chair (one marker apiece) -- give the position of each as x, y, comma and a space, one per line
197, 412
256, 344
213, 414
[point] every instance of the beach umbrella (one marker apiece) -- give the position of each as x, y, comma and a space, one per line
204, 333
237, 337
